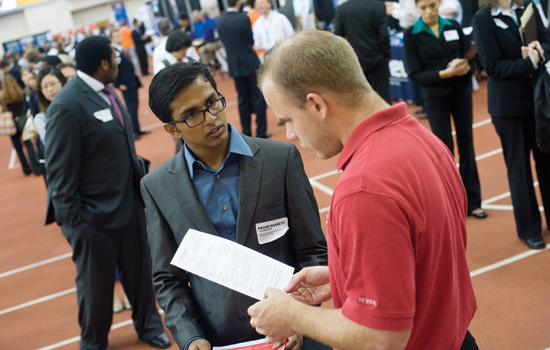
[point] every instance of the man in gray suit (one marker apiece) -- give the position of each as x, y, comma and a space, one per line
93, 182
226, 184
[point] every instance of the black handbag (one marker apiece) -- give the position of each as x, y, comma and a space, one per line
20, 122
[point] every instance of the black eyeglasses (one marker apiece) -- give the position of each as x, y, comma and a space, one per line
197, 118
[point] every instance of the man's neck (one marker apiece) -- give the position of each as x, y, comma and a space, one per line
266, 14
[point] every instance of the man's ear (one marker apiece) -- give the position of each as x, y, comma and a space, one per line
106, 65
316, 105
172, 130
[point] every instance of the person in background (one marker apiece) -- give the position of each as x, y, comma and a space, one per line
399, 277
270, 28
68, 70
511, 64
183, 23
433, 47
31, 105
12, 98
50, 81
128, 82
369, 38
93, 179
252, 180
10, 66
140, 39
236, 35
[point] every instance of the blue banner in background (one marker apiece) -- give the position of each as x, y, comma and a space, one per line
120, 13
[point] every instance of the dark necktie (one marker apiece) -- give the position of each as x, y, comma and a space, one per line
114, 103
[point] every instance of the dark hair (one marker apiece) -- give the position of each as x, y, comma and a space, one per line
170, 82
184, 16
43, 103
91, 51
177, 40
232, 3
50, 60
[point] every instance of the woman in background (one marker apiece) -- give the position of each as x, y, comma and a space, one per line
12, 98
511, 64
50, 82
433, 50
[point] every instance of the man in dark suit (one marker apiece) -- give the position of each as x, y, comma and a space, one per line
140, 39
235, 33
365, 25
225, 184
128, 82
93, 176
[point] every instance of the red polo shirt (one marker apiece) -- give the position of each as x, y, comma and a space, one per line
397, 233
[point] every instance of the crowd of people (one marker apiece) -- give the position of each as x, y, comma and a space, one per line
395, 264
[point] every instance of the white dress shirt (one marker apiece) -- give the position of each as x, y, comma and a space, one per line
270, 30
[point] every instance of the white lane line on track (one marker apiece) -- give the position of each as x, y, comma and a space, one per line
32, 266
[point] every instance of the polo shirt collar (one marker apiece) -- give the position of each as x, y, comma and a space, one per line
419, 26
237, 145
369, 126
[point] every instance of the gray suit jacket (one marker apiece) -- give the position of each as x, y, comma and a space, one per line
91, 166
272, 185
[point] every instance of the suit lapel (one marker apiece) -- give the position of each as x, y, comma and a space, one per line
513, 28
250, 176
184, 192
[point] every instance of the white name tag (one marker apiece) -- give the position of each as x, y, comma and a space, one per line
500, 23
104, 115
451, 35
271, 230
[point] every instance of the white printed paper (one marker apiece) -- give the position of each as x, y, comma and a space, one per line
451, 35
271, 230
104, 115
230, 264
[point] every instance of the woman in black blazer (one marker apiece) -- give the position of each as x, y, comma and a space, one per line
433, 50
511, 63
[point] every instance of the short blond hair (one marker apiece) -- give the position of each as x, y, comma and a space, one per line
315, 61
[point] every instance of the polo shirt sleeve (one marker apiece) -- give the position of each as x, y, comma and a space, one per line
377, 259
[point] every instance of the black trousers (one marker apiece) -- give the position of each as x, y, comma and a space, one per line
17, 143
469, 342
142, 57
459, 105
131, 99
517, 137
251, 101
379, 79
98, 254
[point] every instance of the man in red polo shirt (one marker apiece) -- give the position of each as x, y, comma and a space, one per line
398, 273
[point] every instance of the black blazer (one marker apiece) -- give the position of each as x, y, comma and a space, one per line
91, 166
426, 56
235, 32
126, 73
511, 78
365, 24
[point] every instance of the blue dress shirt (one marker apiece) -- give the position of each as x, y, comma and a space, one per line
218, 191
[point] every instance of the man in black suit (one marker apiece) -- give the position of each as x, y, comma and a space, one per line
365, 25
140, 39
128, 82
235, 33
93, 176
